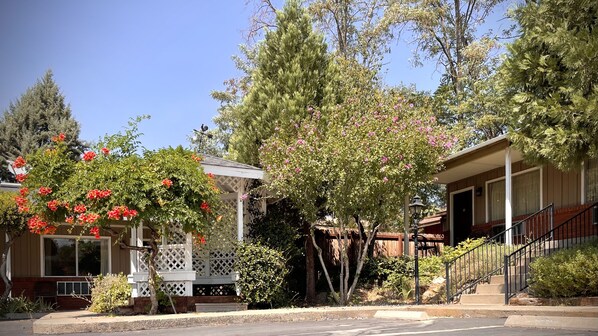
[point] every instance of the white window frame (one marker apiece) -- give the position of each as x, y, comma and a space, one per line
76, 239
451, 195
486, 205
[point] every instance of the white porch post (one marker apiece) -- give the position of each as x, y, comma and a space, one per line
189, 263
136, 240
239, 216
508, 198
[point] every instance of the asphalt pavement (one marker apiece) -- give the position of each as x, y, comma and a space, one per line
581, 320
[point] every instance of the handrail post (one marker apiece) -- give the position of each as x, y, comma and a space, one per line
551, 220
507, 294
447, 283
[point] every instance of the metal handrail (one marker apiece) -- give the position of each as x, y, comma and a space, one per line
577, 229
479, 263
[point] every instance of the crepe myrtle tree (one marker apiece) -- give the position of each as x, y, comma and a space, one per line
115, 185
357, 165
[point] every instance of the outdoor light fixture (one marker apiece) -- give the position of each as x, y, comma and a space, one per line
416, 208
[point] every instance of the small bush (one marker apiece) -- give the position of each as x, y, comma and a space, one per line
22, 304
566, 273
262, 271
109, 292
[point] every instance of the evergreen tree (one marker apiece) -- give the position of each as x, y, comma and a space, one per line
551, 81
38, 115
292, 73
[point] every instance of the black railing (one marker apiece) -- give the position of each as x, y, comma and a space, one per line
578, 229
479, 263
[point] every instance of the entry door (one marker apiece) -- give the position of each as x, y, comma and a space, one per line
462, 215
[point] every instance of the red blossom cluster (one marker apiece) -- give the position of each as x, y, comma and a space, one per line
44, 191
38, 226
98, 194
120, 212
167, 183
19, 162
210, 175
53, 205
21, 177
70, 219
24, 191
95, 231
88, 156
200, 239
22, 203
105, 151
205, 206
59, 138
88, 217
196, 158
81, 208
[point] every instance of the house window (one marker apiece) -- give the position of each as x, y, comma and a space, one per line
525, 195
75, 257
591, 180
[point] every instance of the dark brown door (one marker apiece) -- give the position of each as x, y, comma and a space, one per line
462, 215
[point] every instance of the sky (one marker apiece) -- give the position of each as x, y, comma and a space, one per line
114, 60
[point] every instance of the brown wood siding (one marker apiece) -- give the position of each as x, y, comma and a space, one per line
26, 254
561, 188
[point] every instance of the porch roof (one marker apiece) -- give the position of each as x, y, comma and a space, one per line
480, 158
219, 166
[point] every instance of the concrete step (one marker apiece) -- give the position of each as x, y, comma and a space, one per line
482, 299
490, 289
219, 307
497, 280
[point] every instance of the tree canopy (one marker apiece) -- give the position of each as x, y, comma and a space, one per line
358, 164
551, 81
292, 72
114, 184
38, 115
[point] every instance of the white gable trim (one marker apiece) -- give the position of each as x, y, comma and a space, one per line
234, 172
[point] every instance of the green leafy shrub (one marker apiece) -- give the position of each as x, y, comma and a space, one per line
22, 304
262, 271
450, 252
429, 268
108, 292
566, 273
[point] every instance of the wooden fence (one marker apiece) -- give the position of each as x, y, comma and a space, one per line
387, 244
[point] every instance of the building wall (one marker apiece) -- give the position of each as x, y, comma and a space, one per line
26, 254
561, 188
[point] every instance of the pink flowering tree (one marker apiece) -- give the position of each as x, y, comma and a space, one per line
357, 164
114, 184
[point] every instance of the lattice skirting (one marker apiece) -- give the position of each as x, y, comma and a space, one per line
174, 288
214, 290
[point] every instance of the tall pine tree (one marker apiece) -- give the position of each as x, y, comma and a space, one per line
38, 115
293, 72
551, 79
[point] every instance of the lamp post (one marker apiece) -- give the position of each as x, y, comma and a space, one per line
416, 208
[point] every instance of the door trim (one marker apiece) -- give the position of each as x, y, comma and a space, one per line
451, 221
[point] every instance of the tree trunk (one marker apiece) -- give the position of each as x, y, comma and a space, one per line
310, 266
7, 281
361, 261
319, 250
152, 280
